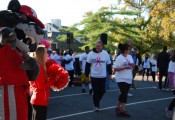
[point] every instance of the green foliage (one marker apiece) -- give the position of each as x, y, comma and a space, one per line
128, 22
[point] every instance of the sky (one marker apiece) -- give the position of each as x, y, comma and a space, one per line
69, 11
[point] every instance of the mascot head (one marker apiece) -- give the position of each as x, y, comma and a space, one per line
30, 13
23, 20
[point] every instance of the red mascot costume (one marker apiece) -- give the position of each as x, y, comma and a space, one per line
16, 67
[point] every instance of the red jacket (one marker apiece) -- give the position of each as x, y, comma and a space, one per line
41, 88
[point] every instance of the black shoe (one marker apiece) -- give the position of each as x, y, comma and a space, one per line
124, 114
83, 90
90, 92
117, 111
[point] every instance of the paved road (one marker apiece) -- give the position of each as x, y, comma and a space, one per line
148, 103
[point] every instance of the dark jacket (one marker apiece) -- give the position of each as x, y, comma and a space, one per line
163, 60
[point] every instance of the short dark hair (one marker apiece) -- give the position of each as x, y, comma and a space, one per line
86, 47
165, 48
124, 47
100, 42
120, 46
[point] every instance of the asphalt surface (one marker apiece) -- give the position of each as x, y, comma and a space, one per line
147, 103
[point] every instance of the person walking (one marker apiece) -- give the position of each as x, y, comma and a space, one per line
153, 63
96, 64
137, 61
122, 67
68, 61
146, 66
162, 64
108, 76
82, 63
171, 74
40, 88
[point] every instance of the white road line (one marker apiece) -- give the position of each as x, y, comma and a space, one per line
71, 95
129, 104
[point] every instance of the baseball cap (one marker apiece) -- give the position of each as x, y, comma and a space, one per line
31, 14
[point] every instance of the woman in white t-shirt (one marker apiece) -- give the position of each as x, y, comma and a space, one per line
69, 60
153, 62
123, 67
98, 61
82, 62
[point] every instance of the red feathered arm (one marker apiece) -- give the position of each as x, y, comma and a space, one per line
54, 69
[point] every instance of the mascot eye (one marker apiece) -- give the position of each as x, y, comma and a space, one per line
39, 30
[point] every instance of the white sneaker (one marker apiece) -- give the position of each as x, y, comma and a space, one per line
168, 89
96, 109
130, 95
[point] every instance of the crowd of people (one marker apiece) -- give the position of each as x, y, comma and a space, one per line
96, 69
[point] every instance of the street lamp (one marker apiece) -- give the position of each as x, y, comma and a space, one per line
52, 43
49, 34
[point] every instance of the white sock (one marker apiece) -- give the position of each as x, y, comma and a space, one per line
90, 86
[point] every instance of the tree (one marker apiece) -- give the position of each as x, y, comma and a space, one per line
163, 21
128, 21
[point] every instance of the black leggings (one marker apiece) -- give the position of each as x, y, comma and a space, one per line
29, 109
39, 112
153, 74
161, 74
124, 89
98, 87
71, 75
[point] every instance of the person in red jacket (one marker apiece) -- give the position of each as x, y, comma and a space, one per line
40, 87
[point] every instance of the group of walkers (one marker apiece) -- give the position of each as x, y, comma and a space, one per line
127, 63
97, 68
